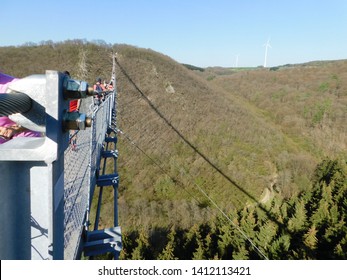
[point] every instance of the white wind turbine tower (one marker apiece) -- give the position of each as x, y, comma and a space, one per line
237, 60
267, 45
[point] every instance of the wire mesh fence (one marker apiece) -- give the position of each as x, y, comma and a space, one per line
81, 164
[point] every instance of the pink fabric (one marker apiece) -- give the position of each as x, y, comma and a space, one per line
6, 122
5, 80
2, 140
27, 133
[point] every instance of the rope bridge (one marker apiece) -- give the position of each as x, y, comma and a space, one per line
48, 183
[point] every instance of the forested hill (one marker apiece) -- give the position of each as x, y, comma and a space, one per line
208, 153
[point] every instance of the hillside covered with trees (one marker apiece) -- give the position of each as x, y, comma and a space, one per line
218, 163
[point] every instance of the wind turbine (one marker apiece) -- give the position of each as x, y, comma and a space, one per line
267, 45
237, 60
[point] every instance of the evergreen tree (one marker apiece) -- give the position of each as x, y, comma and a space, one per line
248, 221
191, 241
199, 253
321, 215
225, 242
241, 253
267, 233
280, 248
141, 251
211, 245
310, 239
328, 214
168, 252
340, 251
298, 221
329, 170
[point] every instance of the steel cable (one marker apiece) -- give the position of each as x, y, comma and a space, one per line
12, 103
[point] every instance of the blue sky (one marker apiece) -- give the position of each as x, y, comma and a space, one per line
199, 32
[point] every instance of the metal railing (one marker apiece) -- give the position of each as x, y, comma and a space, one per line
81, 162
